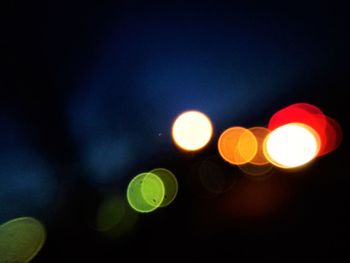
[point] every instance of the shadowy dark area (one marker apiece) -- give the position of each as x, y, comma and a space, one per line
88, 98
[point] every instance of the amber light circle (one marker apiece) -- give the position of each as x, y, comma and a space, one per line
237, 145
260, 134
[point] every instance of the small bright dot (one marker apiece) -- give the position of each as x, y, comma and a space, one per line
192, 130
291, 145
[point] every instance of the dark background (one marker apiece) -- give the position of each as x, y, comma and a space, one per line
90, 90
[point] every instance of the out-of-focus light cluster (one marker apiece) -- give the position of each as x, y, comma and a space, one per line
148, 191
295, 136
21, 239
326, 128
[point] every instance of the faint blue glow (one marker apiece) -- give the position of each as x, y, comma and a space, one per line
151, 67
107, 159
27, 185
213, 67
27, 182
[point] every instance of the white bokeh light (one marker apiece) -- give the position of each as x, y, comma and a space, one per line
292, 145
192, 130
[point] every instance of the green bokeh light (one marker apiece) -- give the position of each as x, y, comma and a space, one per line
114, 217
145, 192
170, 184
110, 213
21, 239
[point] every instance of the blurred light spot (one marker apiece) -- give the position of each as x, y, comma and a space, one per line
256, 170
260, 134
106, 158
192, 130
327, 129
292, 145
110, 213
24, 173
170, 185
211, 177
237, 145
334, 136
255, 199
145, 192
299, 112
21, 239
114, 217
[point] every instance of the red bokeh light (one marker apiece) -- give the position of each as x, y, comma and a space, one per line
327, 128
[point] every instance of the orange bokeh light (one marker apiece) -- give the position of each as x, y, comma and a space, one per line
237, 145
260, 134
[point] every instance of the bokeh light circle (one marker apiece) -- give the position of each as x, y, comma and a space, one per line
237, 145
192, 130
255, 171
110, 212
334, 136
260, 134
145, 192
328, 129
291, 145
170, 185
21, 239
211, 177
114, 217
216, 176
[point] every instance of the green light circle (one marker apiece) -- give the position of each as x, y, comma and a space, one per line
115, 218
145, 192
21, 239
110, 213
125, 226
170, 184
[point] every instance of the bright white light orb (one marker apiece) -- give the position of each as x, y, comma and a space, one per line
192, 130
292, 145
